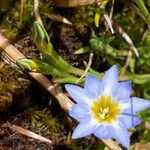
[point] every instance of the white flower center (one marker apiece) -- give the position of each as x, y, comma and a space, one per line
105, 109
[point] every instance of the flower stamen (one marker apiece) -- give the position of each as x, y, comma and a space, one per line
105, 109
104, 113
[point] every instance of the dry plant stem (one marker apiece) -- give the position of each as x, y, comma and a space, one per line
21, 12
63, 100
109, 22
36, 11
107, 19
134, 8
68, 141
58, 18
127, 38
124, 68
111, 144
87, 68
8, 60
112, 9
26, 132
144, 35
147, 125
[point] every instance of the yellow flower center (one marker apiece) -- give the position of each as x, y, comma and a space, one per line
105, 110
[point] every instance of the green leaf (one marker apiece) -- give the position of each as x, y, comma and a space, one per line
41, 39
83, 50
98, 46
148, 39
145, 115
141, 79
37, 66
132, 64
97, 17
67, 79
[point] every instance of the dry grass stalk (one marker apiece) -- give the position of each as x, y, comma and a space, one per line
27, 133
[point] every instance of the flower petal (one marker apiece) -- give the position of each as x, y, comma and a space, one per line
84, 129
135, 104
80, 113
110, 81
123, 91
78, 94
129, 121
92, 87
103, 131
121, 134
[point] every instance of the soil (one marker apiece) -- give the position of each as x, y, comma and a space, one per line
66, 41
25, 103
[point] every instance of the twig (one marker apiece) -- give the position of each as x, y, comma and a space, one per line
127, 38
112, 146
112, 9
27, 133
63, 100
107, 18
57, 17
36, 11
124, 68
87, 68
145, 35
7, 59
21, 12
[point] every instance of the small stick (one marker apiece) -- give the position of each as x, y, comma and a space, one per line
124, 68
112, 9
112, 146
87, 68
109, 22
58, 18
107, 19
27, 133
21, 12
145, 35
127, 38
8, 60
36, 11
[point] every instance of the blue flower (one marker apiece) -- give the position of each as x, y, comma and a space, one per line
105, 108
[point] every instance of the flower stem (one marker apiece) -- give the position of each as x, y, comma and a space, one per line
69, 79
76, 71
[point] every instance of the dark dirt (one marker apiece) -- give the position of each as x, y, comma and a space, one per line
18, 113
66, 41
14, 141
